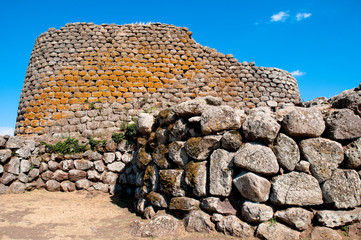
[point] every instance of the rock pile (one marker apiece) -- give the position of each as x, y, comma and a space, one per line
255, 173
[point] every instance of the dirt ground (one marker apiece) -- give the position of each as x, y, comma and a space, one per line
82, 215
77, 215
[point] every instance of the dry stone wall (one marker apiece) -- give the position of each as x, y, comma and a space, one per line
86, 79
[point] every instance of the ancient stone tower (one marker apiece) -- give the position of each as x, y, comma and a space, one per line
86, 79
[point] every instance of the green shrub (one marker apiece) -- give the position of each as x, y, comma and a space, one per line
69, 146
94, 144
131, 133
118, 137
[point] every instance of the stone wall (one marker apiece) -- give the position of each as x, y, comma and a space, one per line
86, 79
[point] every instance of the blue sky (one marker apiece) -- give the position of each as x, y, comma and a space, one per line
319, 41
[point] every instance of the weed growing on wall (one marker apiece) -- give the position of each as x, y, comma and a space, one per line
69, 146
118, 137
94, 144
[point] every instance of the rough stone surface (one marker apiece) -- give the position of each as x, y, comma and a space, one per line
190, 108
13, 166
196, 177
83, 184
298, 218
171, 181
145, 123
198, 221
343, 189
178, 131
5, 154
116, 167
17, 187
303, 166
160, 156
323, 233
52, 186
151, 177
231, 140
14, 142
334, 219
260, 126
217, 118
353, 154
347, 99
3, 189
109, 157
157, 200
304, 122
184, 204
252, 186
232, 225
25, 166
257, 158
298, 189
256, 212
67, 186
163, 225
273, 231
216, 205
177, 153
93, 175
343, 124
101, 187
199, 148
220, 173
324, 156
60, 175
83, 164
75, 175
287, 152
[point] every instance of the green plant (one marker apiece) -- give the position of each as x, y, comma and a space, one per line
150, 110
345, 230
92, 106
32, 166
94, 144
69, 146
118, 137
272, 221
123, 125
131, 133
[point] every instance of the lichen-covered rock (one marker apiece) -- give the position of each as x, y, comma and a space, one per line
67, 186
220, 173
52, 186
13, 166
171, 182
232, 225
157, 200
144, 158
324, 156
304, 122
177, 153
116, 167
217, 118
257, 158
145, 123
83, 164
353, 154
350, 99
75, 175
256, 212
252, 186
198, 221
5, 154
287, 152
166, 116
273, 231
199, 148
196, 177
151, 177
260, 126
231, 140
14, 142
343, 189
160, 156
324, 233
178, 131
295, 188
216, 205
162, 225
184, 204
343, 124
190, 108
298, 218
161, 136
334, 219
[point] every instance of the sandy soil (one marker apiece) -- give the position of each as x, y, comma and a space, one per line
75, 215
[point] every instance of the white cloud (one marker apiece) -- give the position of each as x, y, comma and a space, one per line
301, 16
6, 131
297, 73
281, 16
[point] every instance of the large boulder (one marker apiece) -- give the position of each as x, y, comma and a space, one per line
232, 225
252, 186
304, 122
5, 154
157, 200
116, 167
75, 175
324, 233
199, 148
178, 131
196, 177
151, 177
343, 124
13, 166
324, 156
261, 126
160, 156
343, 189
162, 225
177, 153
256, 212
17, 187
295, 188
198, 221
83, 164
14, 142
220, 173
217, 118
145, 123
276, 231
287, 152
171, 181
52, 186
216, 205
350, 99
334, 219
353, 154
298, 218
231, 140
257, 158
184, 204
196, 106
